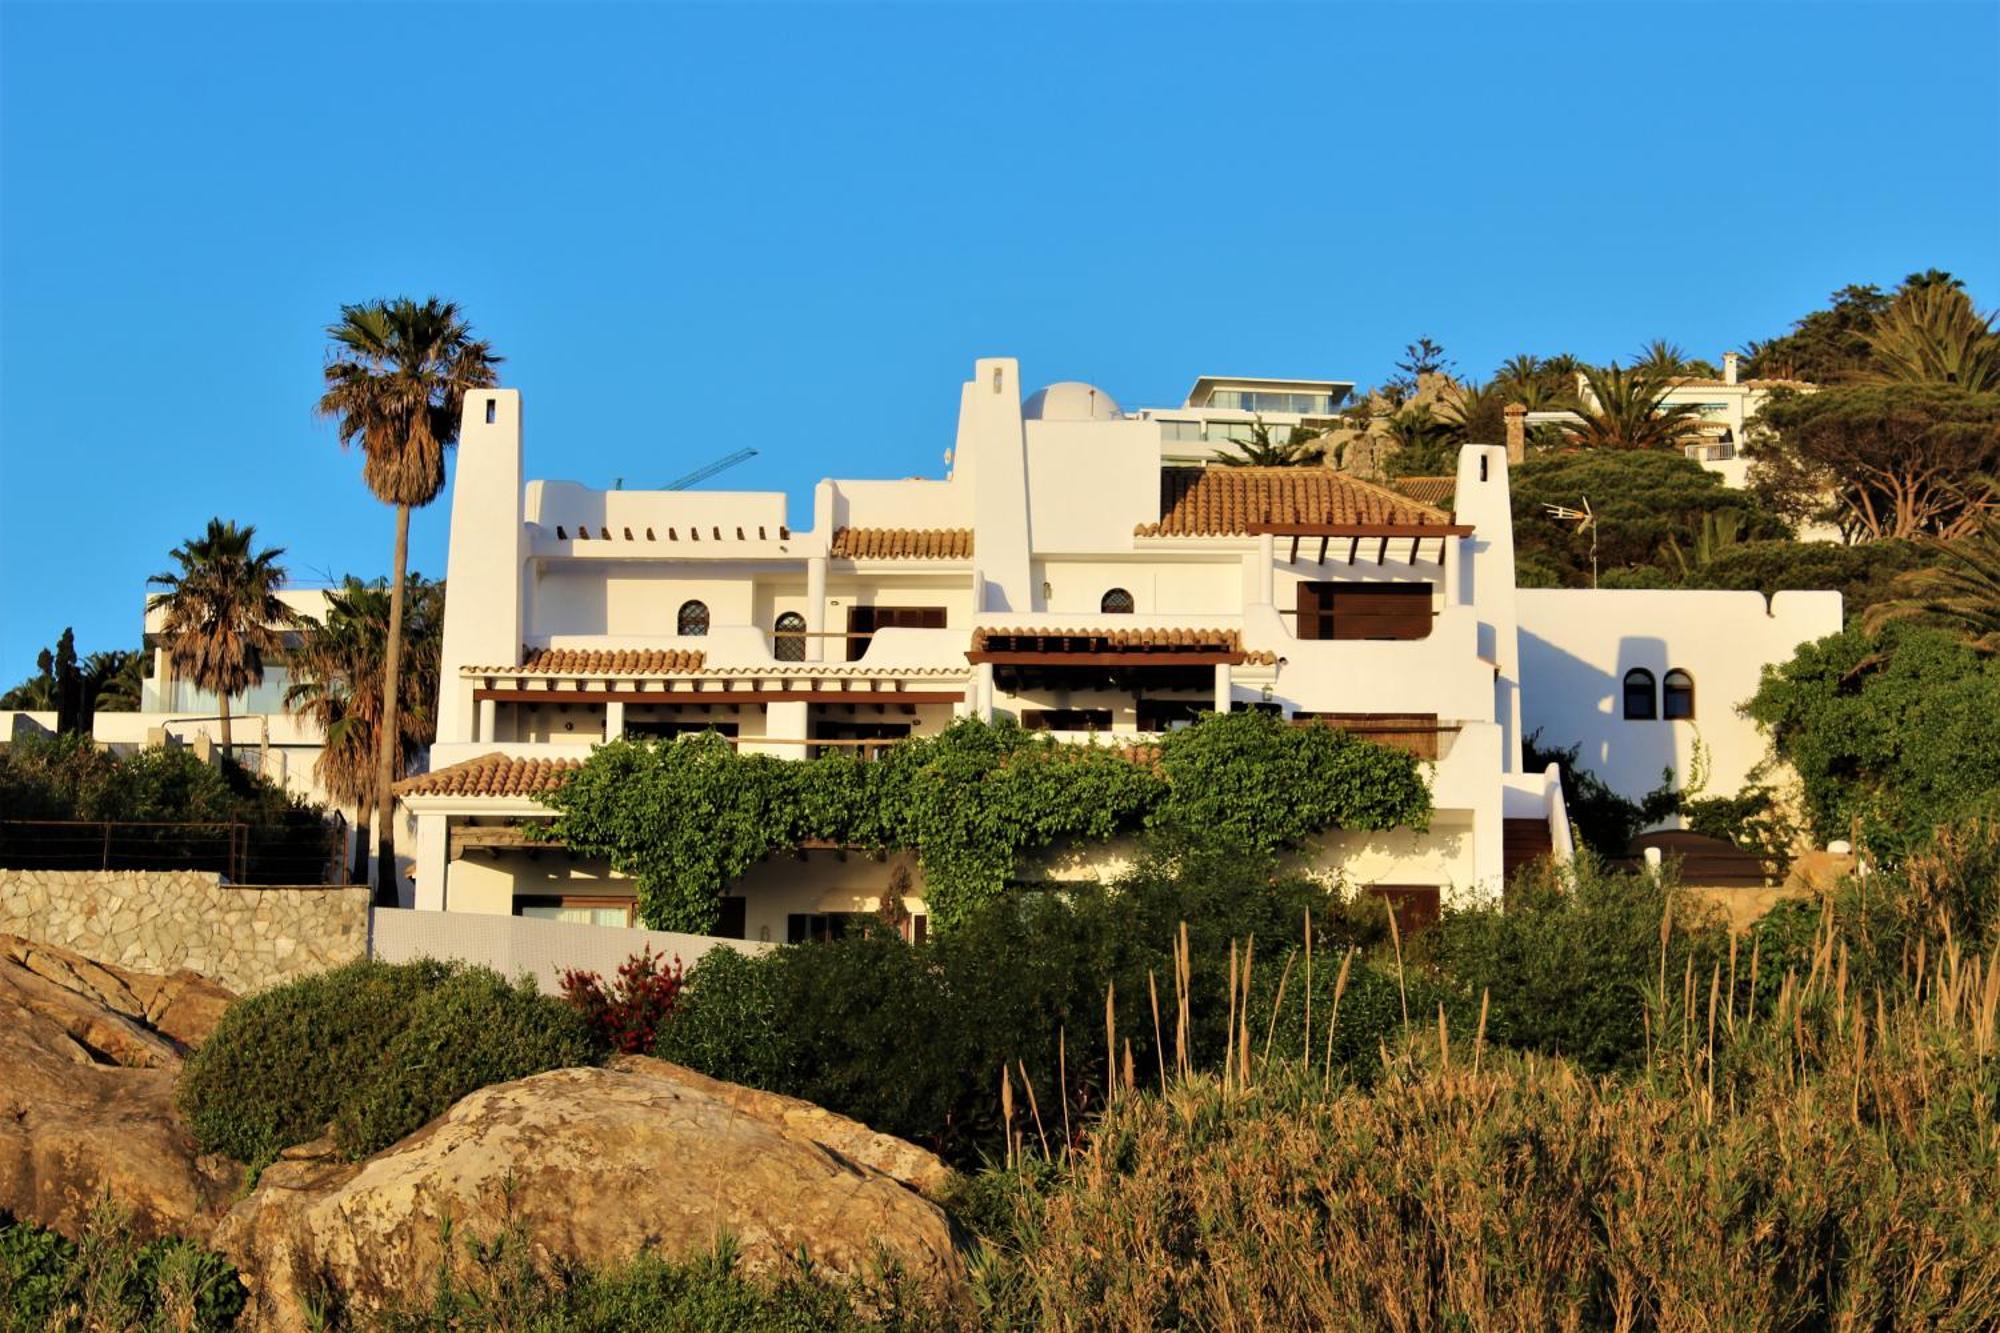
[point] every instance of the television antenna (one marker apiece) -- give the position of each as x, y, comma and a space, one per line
1585, 521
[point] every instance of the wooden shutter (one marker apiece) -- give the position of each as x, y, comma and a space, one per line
1417, 906
1380, 611
860, 623
1315, 611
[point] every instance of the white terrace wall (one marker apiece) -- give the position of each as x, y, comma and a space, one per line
543, 950
166, 920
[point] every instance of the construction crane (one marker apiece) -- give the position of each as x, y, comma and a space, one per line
707, 470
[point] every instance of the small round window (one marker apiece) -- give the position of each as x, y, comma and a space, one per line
1117, 602
693, 618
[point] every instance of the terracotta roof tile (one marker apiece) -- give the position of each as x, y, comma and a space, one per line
598, 662
1225, 501
1162, 639
902, 544
492, 775
1709, 382
1434, 491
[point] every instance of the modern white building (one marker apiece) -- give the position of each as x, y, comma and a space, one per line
264, 737
1077, 569
1726, 411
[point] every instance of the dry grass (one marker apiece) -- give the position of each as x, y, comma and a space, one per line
1828, 1162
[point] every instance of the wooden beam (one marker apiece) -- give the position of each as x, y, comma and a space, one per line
714, 696
1381, 549
1160, 659
1322, 548
1294, 559
1359, 529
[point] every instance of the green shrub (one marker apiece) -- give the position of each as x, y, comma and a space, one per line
911, 1039
109, 1280
1891, 734
509, 1290
1566, 962
472, 1029
367, 1048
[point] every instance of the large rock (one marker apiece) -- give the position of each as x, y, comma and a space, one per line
591, 1166
87, 1095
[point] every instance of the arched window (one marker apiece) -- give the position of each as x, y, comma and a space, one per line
1117, 602
788, 644
1677, 696
693, 618
1640, 703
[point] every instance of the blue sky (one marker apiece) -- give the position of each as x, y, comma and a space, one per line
697, 229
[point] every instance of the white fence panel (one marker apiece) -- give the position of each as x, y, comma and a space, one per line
515, 944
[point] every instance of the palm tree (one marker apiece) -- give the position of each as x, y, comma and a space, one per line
1473, 413
1630, 411
1963, 588
396, 380
1930, 334
1519, 371
1260, 450
221, 609
337, 676
1669, 360
112, 681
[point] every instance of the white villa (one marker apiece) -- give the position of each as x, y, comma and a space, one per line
1726, 409
1082, 569
266, 739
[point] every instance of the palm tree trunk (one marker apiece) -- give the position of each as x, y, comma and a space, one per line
224, 700
364, 829
386, 747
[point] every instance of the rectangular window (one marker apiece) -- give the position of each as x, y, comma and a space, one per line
1066, 719
734, 920
577, 910
1180, 432
1171, 714
863, 621
804, 927
1364, 611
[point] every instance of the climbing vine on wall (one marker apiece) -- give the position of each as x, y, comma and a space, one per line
685, 817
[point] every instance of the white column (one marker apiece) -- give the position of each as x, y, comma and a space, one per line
614, 720
982, 692
488, 726
433, 841
1267, 559
815, 608
786, 720
1222, 691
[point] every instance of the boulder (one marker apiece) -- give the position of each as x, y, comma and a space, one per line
590, 1166
184, 1006
87, 1097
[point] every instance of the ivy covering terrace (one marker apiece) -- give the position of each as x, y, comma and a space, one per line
683, 818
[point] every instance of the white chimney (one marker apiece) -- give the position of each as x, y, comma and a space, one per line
1729, 367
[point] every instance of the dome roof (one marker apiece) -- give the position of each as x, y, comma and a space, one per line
1071, 400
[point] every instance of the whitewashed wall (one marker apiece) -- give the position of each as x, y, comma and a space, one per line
513, 945
1578, 643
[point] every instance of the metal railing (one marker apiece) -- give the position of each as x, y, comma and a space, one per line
241, 853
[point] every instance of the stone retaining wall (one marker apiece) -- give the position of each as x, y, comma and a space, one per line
164, 920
